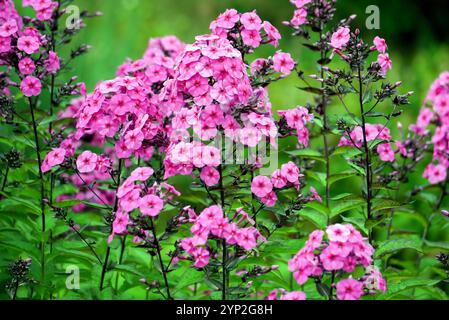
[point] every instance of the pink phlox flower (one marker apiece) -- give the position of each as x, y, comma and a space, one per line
86, 162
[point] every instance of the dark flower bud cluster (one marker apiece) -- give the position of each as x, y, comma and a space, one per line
19, 273
13, 159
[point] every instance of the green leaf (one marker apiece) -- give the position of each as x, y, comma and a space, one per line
307, 153
340, 176
341, 151
367, 97
410, 283
359, 222
394, 245
95, 205
283, 246
189, 277
25, 202
347, 205
129, 269
318, 206
67, 203
317, 218
385, 204
311, 90
437, 245
318, 176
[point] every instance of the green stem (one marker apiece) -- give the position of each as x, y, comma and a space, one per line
331, 290
5, 178
161, 262
367, 157
437, 207
42, 182
325, 124
108, 250
224, 294
120, 260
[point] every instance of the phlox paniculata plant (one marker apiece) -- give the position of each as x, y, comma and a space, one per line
33, 86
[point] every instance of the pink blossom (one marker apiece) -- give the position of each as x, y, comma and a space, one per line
270, 199
151, 205
8, 28
315, 195
28, 44
251, 38
251, 21
210, 176
299, 17
291, 172
52, 64
86, 162
425, 117
197, 86
53, 159
141, 174
349, 289
261, 186
300, 3
381, 45
295, 295
278, 179
385, 152
435, 173
201, 256
120, 224
338, 232
5, 44
246, 239
26, 66
228, 19
331, 259
121, 104
272, 33
31, 86
283, 63
385, 63
250, 136
340, 38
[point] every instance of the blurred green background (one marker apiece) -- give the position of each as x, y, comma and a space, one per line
416, 31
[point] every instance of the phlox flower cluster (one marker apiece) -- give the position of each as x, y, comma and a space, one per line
127, 106
286, 177
212, 92
212, 224
374, 132
341, 249
300, 15
156, 66
341, 38
297, 119
44, 8
117, 108
90, 168
136, 193
436, 111
246, 29
25, 47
